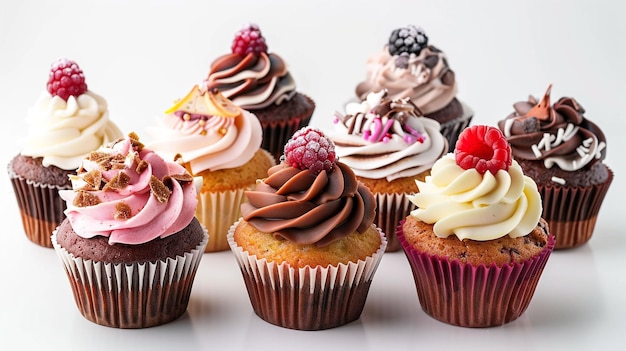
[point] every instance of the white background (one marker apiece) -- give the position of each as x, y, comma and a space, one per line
142, 55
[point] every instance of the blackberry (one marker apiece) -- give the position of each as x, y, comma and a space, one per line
410, 39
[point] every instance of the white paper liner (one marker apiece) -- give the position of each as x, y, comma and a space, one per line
309, 298
217, 211
390, 210
137, 295
41, 207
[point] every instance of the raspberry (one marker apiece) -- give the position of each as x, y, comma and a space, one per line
310, 149
66, 79
410, 39
484, 148
249, 39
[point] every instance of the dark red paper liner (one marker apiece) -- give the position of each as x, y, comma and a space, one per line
41, 208
306, 298
277, 133
137, 295
474, 296
452, 129
571, 212
390, 210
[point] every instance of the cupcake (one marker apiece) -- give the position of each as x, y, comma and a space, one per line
388, 144
408, 66
476, 242
306, 244
260, 82
130, 244
67, 122
219, 142
563, 152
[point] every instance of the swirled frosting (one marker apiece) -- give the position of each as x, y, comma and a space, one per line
129, 194
387, 138
63, 132
556, 134
207, 132
305, 208
253, 81
474, 206
425, 78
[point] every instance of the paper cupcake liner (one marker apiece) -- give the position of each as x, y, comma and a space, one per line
452, 129
571, 213
137, 295
277, 133
217, 211
474, 296
41, 207
390, 210
310, 298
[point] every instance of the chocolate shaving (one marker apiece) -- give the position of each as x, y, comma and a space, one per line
122, 211
85, 199
431, 61
141, 166
93, 179
448, 77
182, 178
118, 182
159, 189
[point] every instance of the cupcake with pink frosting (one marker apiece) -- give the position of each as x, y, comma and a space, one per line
130, 221
220, 143
410, 66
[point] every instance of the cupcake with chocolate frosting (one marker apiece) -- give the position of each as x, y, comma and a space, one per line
409, 66
130, 244
307, 235
388, 144
476, 242
67, 122
260, 82
563, 152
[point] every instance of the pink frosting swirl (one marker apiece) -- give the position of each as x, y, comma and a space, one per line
129, 194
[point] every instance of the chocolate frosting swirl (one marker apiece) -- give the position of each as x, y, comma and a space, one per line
253, 81
305, 208
555, 134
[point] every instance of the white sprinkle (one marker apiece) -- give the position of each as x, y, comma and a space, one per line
558, 180
507, 126
587, 142
536, 151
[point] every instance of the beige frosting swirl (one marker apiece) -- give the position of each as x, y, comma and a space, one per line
64, 132
425, 78
474, 206
387, 138
207, 136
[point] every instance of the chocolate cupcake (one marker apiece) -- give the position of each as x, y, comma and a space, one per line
67, 122
563, 152
409, 66
260, 82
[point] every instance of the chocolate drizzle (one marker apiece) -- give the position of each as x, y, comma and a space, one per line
304, 208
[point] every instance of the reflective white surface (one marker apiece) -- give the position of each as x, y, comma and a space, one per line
141, 58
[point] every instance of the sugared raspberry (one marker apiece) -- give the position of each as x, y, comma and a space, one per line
484, 148
249, 39
310, 149
66, 79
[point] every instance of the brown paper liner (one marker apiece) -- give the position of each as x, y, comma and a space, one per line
137, 295
41, 207
277, 133
390, 210
474, 296
452, 129
309, 298
571, 213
